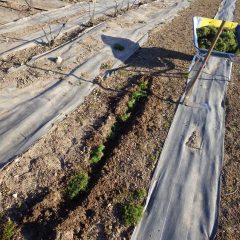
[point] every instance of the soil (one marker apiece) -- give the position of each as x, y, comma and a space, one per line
33, 185
194, 140
13, 10
230, 194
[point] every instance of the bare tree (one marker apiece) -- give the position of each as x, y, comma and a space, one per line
119, 6
29, 4
116, 7
91, 11
128, 5
51, 38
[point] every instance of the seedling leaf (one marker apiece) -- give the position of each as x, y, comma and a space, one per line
132, 214
77, 184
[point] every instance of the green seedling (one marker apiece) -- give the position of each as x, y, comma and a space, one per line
125, 117
144, 85
132, 213
106, 65
9, 230
166, 125
113, 131
131, 103
238, 51
118, 47
186, 75
77, 184
139, 94
124, 73
140, 194
97, 154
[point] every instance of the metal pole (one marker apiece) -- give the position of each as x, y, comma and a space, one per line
191, 84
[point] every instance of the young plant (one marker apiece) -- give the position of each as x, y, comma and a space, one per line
132, 213
97, 154
8, 230
139, 94
77, 184
140, 194
186, 75
113, 131
131, 103
125, 117
118, 47
106, 65
144, 85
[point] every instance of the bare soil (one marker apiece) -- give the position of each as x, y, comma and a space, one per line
230, 195
12, 10
33, 186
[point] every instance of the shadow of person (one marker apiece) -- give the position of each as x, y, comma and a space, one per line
122, 48
145, 58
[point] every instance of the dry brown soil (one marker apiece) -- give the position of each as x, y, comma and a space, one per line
14, 10
229, 225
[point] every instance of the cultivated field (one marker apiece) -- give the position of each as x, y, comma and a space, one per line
88, 93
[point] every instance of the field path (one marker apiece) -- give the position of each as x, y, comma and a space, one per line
184, 197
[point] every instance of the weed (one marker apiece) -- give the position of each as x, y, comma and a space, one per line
118, 46
156, 156
125, 117
144, 85
186, 75
166, 125
77, 184
139, 94
106, 65
238, 51
136, 96
132, 213
78, 119
124, 73
140, 194
97, 154
108, 227
131, 103
84, 74
9, 230
113, 131
153, 158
